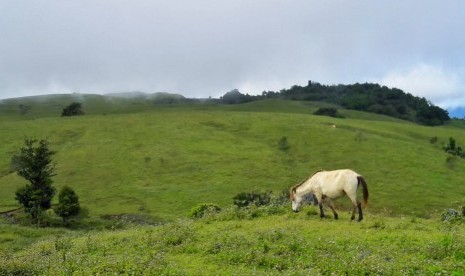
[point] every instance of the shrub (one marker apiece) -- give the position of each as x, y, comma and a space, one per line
453, 149
258, 199
68, 204
328, 111
202, 209
451, 215
283, 144
74, 109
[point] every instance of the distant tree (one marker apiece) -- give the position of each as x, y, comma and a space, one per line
431, 115
68, 204
74, 109
235, 97
24, 109
328, 111
34, 163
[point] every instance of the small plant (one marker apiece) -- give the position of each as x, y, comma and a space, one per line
453, 149
433, 140
202, 209
283, 144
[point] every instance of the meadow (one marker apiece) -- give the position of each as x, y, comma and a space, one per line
254, 241
151, 164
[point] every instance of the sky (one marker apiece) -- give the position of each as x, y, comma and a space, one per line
208, 47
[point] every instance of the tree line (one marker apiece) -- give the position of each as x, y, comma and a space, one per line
369, 97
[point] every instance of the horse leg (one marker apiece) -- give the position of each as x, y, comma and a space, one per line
322, 214
333, 209
352, 217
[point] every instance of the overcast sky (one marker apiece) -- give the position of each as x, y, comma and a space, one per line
208, 47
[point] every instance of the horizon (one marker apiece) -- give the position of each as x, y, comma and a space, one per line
454, 113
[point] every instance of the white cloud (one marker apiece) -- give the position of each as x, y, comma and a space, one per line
441, 86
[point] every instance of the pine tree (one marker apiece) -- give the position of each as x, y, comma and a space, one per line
34, 163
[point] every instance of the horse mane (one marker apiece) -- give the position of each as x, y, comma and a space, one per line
294, 188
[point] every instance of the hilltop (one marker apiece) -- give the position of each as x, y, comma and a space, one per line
368, 97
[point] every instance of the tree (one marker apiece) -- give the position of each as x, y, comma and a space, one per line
328, 111
73, 109
235, 97
34, 163
68, 204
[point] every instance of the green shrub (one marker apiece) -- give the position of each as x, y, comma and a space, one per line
283, 144
202, 209
328, 111
246, 199
453, 149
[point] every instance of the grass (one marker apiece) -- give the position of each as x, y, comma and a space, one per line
244, 242
163, 161
132, 162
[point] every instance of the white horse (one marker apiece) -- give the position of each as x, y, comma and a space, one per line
328, 185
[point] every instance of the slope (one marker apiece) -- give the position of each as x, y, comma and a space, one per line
162, 161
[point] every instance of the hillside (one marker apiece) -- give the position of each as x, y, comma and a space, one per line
139, 168
159, 161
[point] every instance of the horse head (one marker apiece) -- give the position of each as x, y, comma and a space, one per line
296, 200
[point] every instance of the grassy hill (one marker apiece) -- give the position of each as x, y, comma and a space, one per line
162, 160
132, 160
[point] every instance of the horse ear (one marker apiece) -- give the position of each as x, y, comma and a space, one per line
291, 195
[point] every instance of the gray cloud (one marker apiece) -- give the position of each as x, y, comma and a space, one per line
205, 48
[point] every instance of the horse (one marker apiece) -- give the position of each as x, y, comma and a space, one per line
329, 185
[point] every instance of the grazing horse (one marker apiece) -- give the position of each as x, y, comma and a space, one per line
328, 185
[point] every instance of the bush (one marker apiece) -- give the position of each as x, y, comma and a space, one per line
68, 204
74, 109
247, 199
328, 111
283, 144
453, 149
451, 215
202, 209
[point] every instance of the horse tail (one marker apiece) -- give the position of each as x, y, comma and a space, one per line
361, 180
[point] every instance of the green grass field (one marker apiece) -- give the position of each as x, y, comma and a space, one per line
158, 161
261, 241
163, 161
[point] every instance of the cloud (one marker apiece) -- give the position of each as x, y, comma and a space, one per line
206, 48
441, 86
